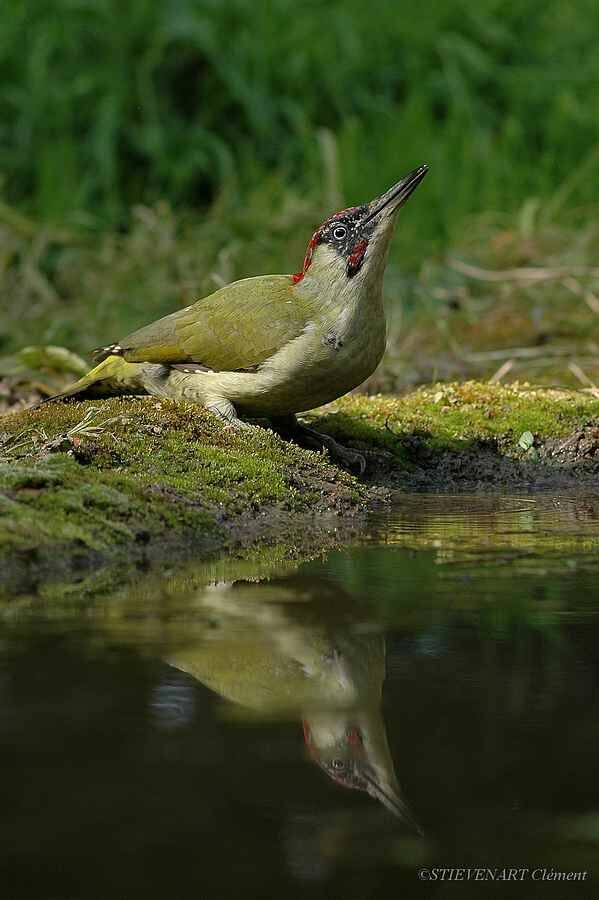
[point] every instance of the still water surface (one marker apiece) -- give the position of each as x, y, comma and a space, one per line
339, 728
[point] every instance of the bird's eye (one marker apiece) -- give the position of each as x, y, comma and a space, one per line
339, 232
337, 764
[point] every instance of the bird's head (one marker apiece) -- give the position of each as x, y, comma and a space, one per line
353, 243
353, 751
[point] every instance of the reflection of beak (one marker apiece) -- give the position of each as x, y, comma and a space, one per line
396, 196
390, 797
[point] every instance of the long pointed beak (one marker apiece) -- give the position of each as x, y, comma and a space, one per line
391, 799
397, 195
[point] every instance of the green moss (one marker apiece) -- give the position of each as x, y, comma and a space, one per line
112, 477
460, 416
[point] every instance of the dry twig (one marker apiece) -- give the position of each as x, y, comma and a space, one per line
501, 371
528, 273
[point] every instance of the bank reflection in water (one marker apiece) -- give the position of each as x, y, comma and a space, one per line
289, 650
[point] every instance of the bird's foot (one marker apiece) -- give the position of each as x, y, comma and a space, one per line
290, 429
346, 457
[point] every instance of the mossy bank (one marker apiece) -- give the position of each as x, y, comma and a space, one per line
474, 436
86, 483
132, 480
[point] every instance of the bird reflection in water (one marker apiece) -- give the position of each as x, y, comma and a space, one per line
295, 649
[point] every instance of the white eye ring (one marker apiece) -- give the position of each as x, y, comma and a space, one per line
339, 232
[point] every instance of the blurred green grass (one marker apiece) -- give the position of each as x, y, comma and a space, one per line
151, 152
107, 104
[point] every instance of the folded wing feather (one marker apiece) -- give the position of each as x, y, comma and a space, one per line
237, 327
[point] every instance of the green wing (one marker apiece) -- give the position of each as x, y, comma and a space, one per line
237, 327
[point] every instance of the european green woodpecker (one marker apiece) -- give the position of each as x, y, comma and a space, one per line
274, 345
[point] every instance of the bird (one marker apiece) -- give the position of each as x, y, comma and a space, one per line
272, 346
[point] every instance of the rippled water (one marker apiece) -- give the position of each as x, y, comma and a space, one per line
353, 726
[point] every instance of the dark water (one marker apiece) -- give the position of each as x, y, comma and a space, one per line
348, 727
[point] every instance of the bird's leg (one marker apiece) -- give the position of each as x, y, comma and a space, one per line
289, 428
227, 413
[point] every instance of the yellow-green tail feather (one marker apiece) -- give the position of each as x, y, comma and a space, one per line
113, 376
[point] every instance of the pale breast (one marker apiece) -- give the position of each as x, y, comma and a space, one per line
319, 366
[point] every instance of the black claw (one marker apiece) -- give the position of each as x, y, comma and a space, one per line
352, 461
347, 457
